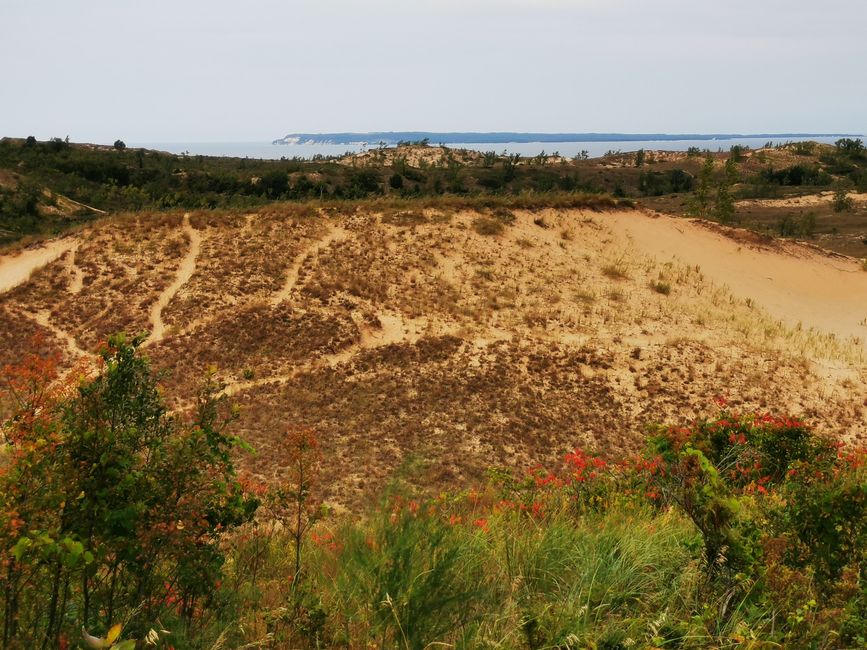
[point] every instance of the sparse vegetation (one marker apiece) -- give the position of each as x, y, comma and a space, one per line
616, 270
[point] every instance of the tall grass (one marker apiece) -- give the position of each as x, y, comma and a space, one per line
414, 579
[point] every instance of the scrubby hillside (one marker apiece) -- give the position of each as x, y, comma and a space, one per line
440, 341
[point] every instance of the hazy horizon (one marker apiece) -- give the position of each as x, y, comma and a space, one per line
223, 72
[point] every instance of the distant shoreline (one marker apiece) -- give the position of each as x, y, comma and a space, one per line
505, 137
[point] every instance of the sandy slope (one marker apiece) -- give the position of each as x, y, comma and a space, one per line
413, 335
791, 282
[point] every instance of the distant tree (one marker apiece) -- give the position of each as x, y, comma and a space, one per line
396, 181
400, 165
701, 197
30, 141
639, 158
731, 171
120, 145
274, 183
510, 164
849, 147
57, 144
724, 209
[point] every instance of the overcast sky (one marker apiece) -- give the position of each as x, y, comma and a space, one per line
232, 70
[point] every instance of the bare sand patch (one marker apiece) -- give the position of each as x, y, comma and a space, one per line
795, 283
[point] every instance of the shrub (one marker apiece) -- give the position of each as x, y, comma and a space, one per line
661, 287
842, 202
616, 270
488, 226
852, 148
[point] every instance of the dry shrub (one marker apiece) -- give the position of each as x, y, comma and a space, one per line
486, 226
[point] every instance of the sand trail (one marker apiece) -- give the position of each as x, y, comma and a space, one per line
16, 269
43, 318
76, 282
336, 234
394, 328
184, 273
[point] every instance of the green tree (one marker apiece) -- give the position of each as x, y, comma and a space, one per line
724, 207
701, 196
113, 509
853, 148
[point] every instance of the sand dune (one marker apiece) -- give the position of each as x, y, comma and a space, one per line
792, 282
422, 334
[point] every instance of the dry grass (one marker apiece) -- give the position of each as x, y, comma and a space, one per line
412, 335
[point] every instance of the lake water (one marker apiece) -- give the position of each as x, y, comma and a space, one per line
268, 151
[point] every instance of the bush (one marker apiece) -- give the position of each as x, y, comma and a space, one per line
851, 148
661, 287
842, 202
488, 226
796, 175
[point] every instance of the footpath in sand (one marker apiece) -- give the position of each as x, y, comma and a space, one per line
184, 273
16, 269
792, 282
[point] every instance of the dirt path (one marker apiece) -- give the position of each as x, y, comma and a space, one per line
16, 269
336, 234
76, 273
394, 329
184, 273
793, 283
43, 318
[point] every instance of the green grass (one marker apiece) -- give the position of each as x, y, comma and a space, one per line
417, 580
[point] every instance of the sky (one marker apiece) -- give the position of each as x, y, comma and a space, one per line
255, 70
